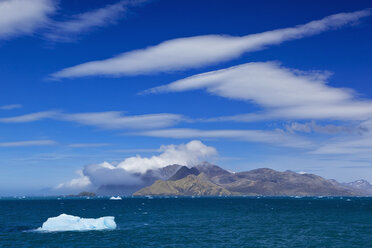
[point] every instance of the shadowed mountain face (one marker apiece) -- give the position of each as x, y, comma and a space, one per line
184, 171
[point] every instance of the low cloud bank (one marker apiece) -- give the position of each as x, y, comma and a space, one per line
135, 170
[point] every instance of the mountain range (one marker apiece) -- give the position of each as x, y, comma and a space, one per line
207, 179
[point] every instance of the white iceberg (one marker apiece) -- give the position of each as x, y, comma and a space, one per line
65, 222
115, 198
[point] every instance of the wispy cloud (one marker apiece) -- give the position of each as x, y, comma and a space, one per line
25, 17
68, 30
281, 92
346, 146
88, 145
276, 137
359, 144
51, 156
30, 117
309, 127
28, 143
139, 150
117, 120
194, 52
22, 17
105, 120
11, 106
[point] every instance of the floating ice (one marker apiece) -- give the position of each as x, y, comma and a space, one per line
115, 198
65, 222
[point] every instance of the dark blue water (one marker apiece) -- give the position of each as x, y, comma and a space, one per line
194, 222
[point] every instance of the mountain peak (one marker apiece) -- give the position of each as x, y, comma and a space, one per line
211, 170
361, 183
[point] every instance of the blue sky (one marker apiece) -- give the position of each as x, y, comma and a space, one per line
279, 84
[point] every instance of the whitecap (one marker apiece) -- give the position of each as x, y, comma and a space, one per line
65, 222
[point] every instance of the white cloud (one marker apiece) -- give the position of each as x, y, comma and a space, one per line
276, 137
20, 17
282, 93
25, 17
129, 171
68, 30
80, 183
11, 106
194, 52
184, 154
28, 143
106, 120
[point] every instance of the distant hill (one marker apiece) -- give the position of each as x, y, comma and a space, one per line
191, 185
361, 186
213, 180
83, 194
266, 181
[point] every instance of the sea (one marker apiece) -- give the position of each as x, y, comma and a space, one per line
192, 222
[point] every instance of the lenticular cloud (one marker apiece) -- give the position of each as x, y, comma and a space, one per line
65, 222
198, 51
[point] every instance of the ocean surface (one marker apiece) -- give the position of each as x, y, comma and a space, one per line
193, 222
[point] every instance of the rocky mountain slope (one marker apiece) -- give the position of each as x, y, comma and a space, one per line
270, 182
191, 185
